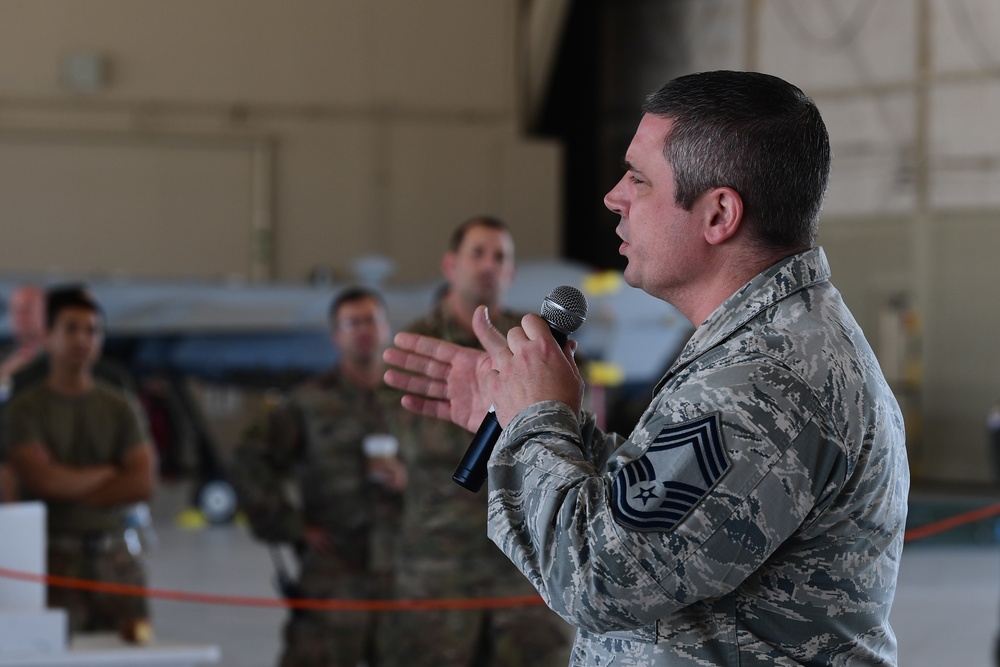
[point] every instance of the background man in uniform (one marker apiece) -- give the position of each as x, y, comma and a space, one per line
27, 326
81, 446
344, 527
755, 515
444, 551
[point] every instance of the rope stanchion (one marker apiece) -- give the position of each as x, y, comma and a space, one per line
293, 603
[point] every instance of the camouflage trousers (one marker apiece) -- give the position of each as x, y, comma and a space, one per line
100, 558
333, 638
531, 636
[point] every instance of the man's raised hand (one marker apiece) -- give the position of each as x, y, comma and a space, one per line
440, 379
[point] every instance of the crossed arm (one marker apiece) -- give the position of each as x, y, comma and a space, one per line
107, 485
460, 384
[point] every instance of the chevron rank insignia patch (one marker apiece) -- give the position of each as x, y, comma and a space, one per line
681, 465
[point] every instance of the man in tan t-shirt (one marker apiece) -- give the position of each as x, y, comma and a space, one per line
82, 447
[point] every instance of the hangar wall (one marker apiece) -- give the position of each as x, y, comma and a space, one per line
251, 139
910, 92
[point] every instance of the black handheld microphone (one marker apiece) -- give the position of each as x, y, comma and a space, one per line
564, 309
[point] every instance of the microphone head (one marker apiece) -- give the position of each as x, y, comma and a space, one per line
565, 309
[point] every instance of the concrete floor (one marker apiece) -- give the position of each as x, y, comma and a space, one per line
946, 609
222, 560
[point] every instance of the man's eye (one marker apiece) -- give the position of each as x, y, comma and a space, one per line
635, 179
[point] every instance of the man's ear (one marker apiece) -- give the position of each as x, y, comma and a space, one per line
447, 265
722, 213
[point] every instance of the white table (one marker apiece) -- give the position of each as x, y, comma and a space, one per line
107, 650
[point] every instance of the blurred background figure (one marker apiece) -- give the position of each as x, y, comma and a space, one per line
27, 324
334, 438
81, 446
444, 551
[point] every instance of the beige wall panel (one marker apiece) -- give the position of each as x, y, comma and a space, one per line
438, 176
869, 182
967, 183
964, 34
871, 138
102, 204
872, 267
870, 263
837, 44
443, 54
531, 195
964, 119
437, 54
717, 28
250, 50
872, 260
325, 191
330, 83
965, 144
962, 356
441, 175
865, 124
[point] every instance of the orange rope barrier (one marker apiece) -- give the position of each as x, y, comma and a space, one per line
912, 534
297, 603
951, 522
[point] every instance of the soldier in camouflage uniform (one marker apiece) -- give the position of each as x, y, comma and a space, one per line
81, 446
444, 550
755, 515
343, 527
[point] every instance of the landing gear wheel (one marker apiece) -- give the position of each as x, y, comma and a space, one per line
217, 501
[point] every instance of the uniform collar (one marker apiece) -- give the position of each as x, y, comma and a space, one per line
772, 285
451, 330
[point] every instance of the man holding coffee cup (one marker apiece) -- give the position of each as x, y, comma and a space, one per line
334, 437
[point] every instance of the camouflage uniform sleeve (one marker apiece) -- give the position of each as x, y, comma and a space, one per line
260, 467
606, 557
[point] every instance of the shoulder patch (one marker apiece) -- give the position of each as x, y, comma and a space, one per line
683, 463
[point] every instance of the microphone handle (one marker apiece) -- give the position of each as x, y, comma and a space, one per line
472, 469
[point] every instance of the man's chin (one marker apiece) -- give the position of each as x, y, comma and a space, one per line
488, 296
75, 366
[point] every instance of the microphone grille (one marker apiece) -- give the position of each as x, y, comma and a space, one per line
565, 309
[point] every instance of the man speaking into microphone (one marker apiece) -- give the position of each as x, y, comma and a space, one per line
755, 514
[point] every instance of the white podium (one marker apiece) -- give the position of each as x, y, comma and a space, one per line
33, 636
26, 626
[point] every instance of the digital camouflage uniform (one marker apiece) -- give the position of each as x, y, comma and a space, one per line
754, 516
97, 428
314, 438
445, 553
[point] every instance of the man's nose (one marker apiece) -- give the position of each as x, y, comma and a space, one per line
613, 200
492, 263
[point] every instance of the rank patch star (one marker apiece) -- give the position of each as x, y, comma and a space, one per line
646, 494
682, 464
